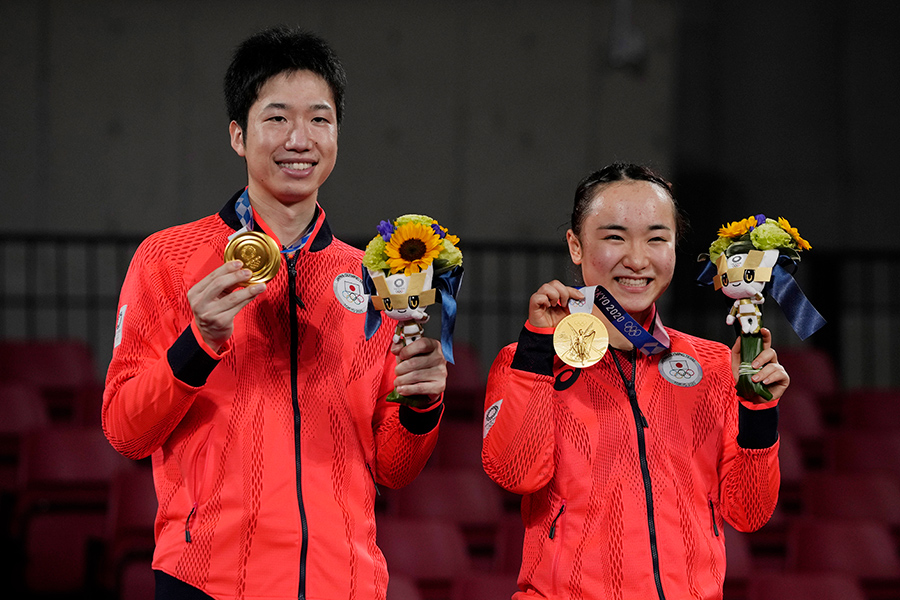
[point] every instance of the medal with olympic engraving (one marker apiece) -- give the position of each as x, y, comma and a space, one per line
258, 252
580, 340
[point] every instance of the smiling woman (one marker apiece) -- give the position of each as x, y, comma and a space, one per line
634, 461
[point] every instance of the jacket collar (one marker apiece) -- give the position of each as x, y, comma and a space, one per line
321, 238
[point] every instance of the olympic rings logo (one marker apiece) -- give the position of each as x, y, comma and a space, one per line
632, 329
682, 373
353, 297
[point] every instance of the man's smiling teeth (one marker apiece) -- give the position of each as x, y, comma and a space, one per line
296, 166
633, 282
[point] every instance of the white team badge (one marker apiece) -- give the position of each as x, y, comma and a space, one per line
348, 289
681, 369
490, 416
121, 319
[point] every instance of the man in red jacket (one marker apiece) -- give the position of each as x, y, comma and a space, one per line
260, 401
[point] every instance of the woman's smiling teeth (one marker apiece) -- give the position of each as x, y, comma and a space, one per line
628, 282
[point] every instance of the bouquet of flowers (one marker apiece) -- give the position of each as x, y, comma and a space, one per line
746, 256
412, 263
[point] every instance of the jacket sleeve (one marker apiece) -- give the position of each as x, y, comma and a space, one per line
517, 450
749, 473
404, 437
158, 364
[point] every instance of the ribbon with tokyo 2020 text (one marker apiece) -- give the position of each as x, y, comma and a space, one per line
634, 332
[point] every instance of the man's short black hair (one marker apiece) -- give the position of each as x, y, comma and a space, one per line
275, 51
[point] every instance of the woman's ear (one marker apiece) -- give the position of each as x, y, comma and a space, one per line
574, 246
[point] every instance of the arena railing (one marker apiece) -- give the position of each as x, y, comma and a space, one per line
67, 286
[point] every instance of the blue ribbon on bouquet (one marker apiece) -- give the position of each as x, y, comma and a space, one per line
805, 320
447, 285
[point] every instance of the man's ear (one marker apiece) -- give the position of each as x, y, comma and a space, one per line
237, 138
574, 246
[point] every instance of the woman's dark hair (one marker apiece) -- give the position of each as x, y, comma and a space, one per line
275, 51
586, 191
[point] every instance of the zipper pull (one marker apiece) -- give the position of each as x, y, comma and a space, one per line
552, 533
187, 524
712, 514
644, 422
375, 483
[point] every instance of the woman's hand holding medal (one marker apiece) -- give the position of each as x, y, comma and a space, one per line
549, 305
580, 339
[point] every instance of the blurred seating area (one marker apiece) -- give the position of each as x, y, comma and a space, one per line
77, 518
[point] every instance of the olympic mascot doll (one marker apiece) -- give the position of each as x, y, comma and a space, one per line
747, 257
412, 263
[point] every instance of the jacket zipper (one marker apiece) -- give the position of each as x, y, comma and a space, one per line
712, 514
294, 298
557, 526
641, 423
187, 524
562, 509
375, 483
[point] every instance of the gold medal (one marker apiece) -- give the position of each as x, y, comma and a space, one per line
580, 340
258, 252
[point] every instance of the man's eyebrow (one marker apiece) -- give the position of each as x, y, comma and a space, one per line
285, 106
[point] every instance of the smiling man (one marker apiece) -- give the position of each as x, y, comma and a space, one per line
249, 381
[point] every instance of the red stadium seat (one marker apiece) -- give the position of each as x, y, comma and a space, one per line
458, 446
59, 368
429, 552
402, 588
804, 586
813, 371
137, 581
463, 497
483, 586
800, 414
861, 549
65, 475
129, 527
508, 545
22, 410
874, 496
859, 451
871, 409
466, 383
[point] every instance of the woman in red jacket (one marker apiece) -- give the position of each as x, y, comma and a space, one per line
630, 466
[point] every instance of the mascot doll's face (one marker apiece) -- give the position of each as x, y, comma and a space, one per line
745, 275
404, 297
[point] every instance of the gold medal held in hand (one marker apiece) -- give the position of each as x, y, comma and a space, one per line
258, 252
580, 340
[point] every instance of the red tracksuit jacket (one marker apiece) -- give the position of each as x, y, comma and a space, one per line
627, 476
265, 455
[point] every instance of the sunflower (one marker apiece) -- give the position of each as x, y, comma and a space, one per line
737, 228
801, 243
412, 248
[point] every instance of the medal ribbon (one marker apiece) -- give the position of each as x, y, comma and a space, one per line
245, 214
633, 331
